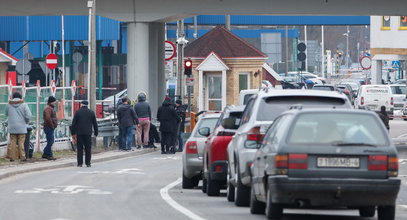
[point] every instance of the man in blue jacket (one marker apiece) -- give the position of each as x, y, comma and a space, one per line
127, 119
82, 124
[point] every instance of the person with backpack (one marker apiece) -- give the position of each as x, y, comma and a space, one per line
82, 123
18, 115
127, 118
143, 112
181, 110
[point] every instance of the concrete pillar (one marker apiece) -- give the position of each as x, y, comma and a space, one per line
161, 81
137, 58
376, 72
153, 69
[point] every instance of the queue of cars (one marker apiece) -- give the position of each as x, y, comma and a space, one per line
295, 148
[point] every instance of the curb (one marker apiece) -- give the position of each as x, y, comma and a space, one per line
72, 164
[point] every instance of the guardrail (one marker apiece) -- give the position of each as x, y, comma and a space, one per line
108, 129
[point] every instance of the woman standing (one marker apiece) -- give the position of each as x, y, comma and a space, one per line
143, 112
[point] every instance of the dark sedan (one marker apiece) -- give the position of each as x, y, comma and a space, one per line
326, 158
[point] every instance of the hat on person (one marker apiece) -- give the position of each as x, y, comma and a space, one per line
17, 95
179, 102
51, 99
84, 102
167, 98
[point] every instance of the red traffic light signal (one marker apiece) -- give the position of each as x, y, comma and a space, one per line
188, 67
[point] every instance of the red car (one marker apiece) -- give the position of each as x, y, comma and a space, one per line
215, 156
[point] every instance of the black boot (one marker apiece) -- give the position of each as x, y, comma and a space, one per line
167, 149
163, 149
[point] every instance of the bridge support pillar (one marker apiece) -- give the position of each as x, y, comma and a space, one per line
376, 71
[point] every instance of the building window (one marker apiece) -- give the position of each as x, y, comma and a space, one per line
403, 23
385, 23
244, 81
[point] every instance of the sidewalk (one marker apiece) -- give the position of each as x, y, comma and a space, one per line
25, 167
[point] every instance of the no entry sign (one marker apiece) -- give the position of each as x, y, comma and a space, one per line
170, 50
51, 61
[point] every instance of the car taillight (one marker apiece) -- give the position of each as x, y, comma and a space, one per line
377, 162
225, 133
191, 147
391, 101
281, 164
255, 135
362, 101
298, 161
393, 166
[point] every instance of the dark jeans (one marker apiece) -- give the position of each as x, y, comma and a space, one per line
167, 141
127, 133
49, 132
180, 141
84, 140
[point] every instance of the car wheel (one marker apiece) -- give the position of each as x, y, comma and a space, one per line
230, 190
212, 187
204, 184
386, 212
273, 210
368, 211
405, 119
256, 207
188, 183
242, 192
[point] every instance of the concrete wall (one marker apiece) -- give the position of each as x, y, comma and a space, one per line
393, 38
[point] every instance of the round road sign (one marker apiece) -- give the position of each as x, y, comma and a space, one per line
51, 61
366, 62
170, 50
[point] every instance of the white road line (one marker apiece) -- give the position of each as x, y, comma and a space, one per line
174, 204
401, 136
403, 206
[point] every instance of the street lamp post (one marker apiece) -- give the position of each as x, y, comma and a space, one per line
347, 46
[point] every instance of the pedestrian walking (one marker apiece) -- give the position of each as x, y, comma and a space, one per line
127, 119
168, 119
143, 112
50, 123
384, 117
181, 110
82, 124
18, 115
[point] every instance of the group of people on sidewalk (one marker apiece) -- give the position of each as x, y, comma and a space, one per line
19, 115
171, 118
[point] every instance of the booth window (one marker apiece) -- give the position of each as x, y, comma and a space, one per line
403, 23
385, 23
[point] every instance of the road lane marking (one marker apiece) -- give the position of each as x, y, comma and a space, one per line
72, 189
166, 197
403, 206
401, 136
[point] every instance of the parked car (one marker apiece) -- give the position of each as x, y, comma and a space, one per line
259, 113
330, 158
215, 156
193, 152
399, 95
375, 96
244, 95
324, 87
347, 90
109, 103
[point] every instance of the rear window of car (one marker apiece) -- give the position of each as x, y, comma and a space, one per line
206, 122
337, 129
246, 98
323, 88
271, 107
398, 90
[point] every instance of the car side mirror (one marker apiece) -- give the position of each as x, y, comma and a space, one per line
229, 123
205, 131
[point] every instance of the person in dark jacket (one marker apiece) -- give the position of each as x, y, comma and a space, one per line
50, 123
127, 118
82, 124
180, 109
168, 119
385, 118
143, 112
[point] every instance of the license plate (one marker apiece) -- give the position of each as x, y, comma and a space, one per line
337, 162
372, 106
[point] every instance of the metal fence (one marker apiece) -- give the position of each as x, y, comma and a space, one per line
36, 98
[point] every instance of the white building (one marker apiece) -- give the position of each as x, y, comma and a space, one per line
388, 43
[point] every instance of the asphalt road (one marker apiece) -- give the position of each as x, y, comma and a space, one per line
142, 187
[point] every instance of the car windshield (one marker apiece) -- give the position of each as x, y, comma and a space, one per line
324, 88
338, 129
271, 107
206, 122
398, 90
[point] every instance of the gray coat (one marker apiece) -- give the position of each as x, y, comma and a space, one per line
18, 115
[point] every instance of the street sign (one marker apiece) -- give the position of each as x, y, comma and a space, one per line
53, 88
170, 50
169, 69
51, 61
23, 66
366, 62
396, 64
189, 81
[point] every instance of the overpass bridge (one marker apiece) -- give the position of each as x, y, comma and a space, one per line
146, 31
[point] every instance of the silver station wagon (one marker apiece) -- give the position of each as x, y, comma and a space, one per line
326, 158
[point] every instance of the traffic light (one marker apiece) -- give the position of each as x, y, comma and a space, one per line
188, 67
301, 56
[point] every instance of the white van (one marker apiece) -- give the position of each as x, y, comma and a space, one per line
399, 95
375, 96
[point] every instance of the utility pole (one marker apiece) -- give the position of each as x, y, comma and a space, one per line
92, 56
180, 59
347, 47
286, 49
322, 52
